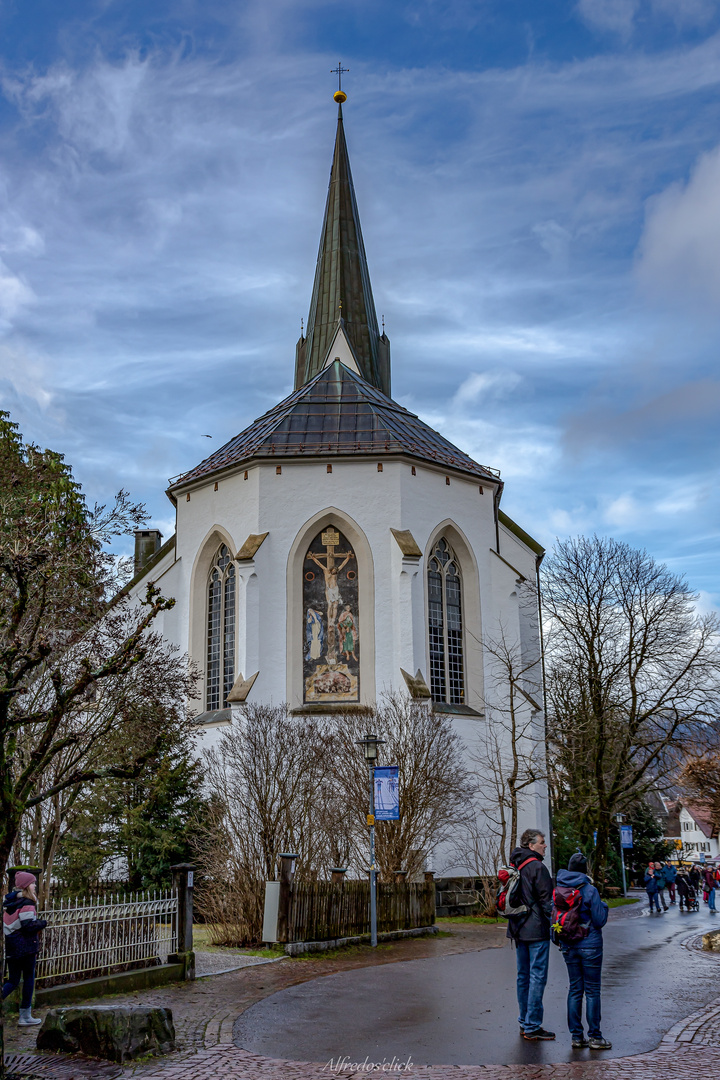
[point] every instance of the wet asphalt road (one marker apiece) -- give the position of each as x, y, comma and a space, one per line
461, 1009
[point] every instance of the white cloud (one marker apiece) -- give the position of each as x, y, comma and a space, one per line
486, 384
619, 16
679, 252
93, 109
616, 16
14, 293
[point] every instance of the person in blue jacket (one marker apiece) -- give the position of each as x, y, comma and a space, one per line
651, 888
670, 873
661, 883
584, 960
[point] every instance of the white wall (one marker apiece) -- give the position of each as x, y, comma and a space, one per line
365, 504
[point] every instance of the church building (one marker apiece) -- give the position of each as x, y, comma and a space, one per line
338, 547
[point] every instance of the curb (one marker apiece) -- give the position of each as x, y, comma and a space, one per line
686, 1030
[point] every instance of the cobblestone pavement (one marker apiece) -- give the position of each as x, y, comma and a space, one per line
205, 1012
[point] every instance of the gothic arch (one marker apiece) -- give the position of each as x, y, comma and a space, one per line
197, 645
471, 608
366, 602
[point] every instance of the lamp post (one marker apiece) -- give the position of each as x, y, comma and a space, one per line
370, 749
620, 818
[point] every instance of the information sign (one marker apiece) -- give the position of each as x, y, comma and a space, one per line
626, 839
387, 793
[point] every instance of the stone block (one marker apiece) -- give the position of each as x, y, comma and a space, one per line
711, 941
114, 1032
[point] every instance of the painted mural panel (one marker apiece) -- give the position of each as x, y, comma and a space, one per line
331, 644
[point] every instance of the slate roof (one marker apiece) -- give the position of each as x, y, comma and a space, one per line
337, 412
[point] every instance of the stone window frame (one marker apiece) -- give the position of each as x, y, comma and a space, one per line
221, 626
448, 685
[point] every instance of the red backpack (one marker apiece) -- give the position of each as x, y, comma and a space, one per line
509, 899
567, 927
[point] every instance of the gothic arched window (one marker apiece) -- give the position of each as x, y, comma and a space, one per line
445, 628
220, 674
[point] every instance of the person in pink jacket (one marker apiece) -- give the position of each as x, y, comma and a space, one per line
21, 928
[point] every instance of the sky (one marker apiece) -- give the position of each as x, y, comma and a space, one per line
539, 188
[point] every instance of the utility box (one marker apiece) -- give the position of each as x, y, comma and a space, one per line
272, 910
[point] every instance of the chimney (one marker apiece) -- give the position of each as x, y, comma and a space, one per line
147, 542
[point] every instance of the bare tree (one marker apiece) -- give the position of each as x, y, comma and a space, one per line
68, 634
633, 671
435, 786
266, 779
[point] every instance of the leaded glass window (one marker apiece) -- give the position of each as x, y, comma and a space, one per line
445, 628
220, 672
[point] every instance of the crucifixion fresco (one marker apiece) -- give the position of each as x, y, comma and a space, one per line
331, 668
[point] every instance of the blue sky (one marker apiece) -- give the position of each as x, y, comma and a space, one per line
539, 185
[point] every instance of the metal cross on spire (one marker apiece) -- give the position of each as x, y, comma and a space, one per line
339, 71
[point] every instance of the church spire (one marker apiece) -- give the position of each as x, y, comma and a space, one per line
342, 297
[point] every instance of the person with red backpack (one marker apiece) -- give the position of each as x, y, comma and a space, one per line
578, 918
529, 928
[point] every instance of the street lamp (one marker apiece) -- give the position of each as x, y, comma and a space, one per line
620, 818
370, 749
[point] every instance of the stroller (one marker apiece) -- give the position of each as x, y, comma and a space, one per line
691, 900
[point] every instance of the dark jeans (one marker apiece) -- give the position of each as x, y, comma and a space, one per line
24, 968
653, 896
584, 969
711, 899
532, 973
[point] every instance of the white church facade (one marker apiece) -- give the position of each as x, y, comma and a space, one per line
339, 548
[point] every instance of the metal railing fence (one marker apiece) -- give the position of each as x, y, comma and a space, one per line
100, 935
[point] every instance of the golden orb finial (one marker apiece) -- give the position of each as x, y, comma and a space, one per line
340, 96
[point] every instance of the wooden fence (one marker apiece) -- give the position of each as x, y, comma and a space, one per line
323, 911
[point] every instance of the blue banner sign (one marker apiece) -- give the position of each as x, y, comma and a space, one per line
387, 793
626, 836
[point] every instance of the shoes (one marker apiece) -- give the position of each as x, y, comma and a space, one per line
27, 1019
665, 907
538, 1034
599, 1043
580, 1044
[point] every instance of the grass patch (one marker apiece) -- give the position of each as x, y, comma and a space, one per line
621, 901
475, 920
345, 952
201, 943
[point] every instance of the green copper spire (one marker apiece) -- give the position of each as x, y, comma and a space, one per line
342, 296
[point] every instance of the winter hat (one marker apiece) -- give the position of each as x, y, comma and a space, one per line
23, 880
578, 863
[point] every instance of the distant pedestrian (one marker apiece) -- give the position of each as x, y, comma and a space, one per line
531, 933
670, 873
661, 882
651, 888
584, 955
710, 886
21, 927
683, 888
694, 876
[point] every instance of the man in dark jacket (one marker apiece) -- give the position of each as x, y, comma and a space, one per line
670, 873
531, 933
584, 958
